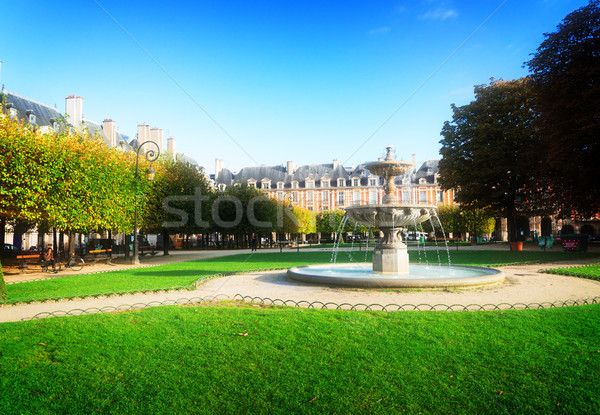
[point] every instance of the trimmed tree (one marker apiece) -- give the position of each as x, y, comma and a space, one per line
566, 72
488, 152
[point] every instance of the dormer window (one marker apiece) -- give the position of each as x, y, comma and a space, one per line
252, 183
341, 182
294, 184
373, 182
355, 182
422, 180
12, 111
30, 116
266, 184
310, 184
324, 183
280, 185
222, 187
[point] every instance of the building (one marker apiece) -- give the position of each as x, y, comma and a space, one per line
321, 187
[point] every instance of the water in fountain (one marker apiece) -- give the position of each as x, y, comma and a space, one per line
390, 265
445, 239
338, 239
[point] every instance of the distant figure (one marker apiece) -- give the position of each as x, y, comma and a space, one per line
49, 258
253, 242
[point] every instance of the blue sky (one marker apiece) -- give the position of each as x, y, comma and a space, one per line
270, 81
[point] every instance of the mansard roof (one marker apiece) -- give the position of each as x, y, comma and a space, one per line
316, 172
45, 115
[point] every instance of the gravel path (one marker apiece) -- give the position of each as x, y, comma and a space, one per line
523, 285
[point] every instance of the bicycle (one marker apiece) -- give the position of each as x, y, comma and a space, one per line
73, 262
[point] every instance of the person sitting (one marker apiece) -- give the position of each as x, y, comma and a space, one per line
49, 259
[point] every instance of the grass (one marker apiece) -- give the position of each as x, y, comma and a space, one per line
183, 275
244, 359
591, 272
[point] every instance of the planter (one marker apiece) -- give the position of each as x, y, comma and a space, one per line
516, 246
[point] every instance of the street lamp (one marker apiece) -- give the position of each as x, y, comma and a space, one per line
150, 155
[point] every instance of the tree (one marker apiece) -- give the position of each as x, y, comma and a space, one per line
565, 72
488, 152
177, 201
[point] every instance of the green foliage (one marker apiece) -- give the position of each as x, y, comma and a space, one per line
565, 72
487, 152
66, 180
243, 209
185, 191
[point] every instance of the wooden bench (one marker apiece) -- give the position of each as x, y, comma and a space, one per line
29, 261
96, 255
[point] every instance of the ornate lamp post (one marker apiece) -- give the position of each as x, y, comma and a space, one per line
150, 155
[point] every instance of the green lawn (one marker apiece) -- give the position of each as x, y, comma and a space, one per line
591, 272
183, 275
249, 359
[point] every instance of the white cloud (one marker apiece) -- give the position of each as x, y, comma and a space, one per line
440, 13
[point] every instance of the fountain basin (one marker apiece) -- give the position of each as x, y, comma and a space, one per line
420, 276
390, 215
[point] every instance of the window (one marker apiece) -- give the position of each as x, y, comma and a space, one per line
310, 184
324, 183
222, 187
310, 197
12, 112
325, 196
32, 118
422, 180
355, 182
422, 196
440, 196
280, 185
294, 184
295, 197
372, 182
279, 195
372, 197
266, 185
341, 182
340, 198
405, 196
251, 184
356, 197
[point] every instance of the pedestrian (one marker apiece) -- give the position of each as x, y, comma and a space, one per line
253, 242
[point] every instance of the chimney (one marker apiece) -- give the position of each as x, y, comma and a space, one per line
171, 146
143, 135
110, 132
414, 160
336, 163
218, 168
156, 135
291, 167
74, 111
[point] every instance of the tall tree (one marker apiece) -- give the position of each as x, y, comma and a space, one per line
488, 152
566, 78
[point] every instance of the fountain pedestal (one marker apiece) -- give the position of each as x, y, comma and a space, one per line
390, 256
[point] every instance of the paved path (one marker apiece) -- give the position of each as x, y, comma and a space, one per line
523, 285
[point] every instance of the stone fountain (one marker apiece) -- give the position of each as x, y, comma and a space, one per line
390, 255
390, 266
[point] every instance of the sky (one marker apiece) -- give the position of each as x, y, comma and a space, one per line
266, 82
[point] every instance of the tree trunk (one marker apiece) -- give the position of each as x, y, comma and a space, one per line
2, 235
166, 240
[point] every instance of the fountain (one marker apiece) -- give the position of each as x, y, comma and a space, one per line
390, 266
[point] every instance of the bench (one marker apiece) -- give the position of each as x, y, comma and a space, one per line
28, 261
96, 255
143, 250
